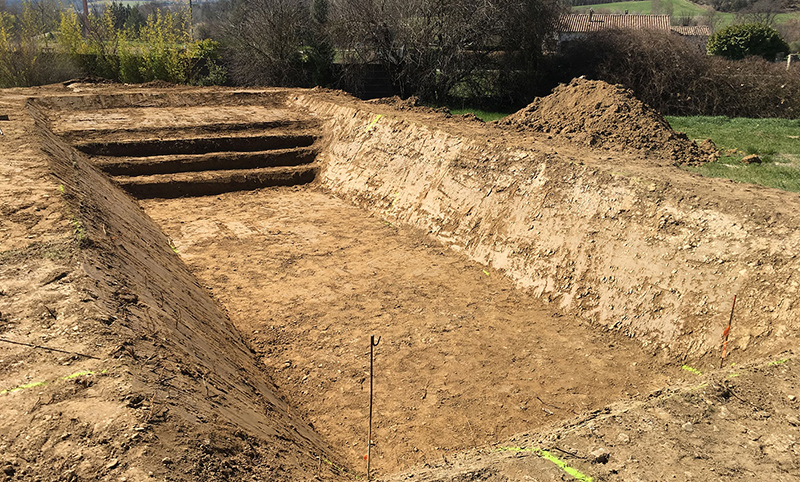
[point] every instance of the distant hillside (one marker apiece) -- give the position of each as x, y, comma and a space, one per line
676, 8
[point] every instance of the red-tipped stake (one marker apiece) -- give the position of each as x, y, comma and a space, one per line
725, 334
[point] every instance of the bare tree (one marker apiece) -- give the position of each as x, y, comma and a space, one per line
429, 47
266, 40
763, 12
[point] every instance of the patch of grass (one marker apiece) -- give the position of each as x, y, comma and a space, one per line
775, 137
677, 8
775, 141
484, 115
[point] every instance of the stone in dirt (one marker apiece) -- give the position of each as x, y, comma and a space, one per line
602, 115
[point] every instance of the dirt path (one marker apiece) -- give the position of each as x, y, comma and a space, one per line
465, 358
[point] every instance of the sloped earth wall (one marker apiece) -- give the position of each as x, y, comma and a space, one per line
201, 405
657, 255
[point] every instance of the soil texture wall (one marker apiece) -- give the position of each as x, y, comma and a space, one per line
658, 254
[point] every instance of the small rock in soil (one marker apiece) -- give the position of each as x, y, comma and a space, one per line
600, 456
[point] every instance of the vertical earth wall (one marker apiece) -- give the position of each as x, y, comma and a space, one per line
644, 256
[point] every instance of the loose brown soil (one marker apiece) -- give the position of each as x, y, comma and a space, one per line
231, 331
465, 358
597, 114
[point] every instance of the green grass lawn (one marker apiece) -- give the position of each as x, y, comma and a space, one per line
776, 141
679, 8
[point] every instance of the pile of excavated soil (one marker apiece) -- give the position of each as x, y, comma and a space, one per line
602, 115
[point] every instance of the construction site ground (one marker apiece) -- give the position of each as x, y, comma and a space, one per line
226, 337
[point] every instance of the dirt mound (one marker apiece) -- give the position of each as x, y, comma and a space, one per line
410, 104
602, 115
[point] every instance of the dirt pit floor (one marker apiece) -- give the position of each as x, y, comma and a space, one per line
465, 359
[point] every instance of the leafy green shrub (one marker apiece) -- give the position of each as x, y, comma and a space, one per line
166, 43
160, 49
206, 69
98, 53
25, 40
739, 41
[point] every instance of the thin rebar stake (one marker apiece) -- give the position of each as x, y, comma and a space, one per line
725, 334
372, 345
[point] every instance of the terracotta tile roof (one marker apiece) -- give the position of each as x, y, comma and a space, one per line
694, 30
584, 22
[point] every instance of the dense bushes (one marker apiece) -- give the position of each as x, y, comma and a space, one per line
438, 49
677, 78
42, 43
277, 42
434, 49
445, 51
159, 49
27, 56
736, 42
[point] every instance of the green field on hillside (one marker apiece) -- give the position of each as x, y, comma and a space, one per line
775, 141
678, 8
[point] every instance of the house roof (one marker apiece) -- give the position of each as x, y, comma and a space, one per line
594, 22
693, 30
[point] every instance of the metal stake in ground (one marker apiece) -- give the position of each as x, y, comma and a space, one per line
725, 334
372, 345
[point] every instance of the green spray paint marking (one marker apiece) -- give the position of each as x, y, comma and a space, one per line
692, 370
80, 374
341, 470
778, 362
372, 124
486, 272
39, 384
552, 458
23, 387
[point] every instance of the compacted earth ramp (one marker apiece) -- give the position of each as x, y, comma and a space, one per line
547, 310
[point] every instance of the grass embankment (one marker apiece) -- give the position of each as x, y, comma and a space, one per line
676, 8
775, 141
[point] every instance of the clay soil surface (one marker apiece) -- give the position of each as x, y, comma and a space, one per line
465, 359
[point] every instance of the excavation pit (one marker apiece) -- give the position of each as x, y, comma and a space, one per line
518, 286
466, 359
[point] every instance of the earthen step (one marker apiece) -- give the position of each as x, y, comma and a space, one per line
142, 166
204, 183
187, 130
195, 145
